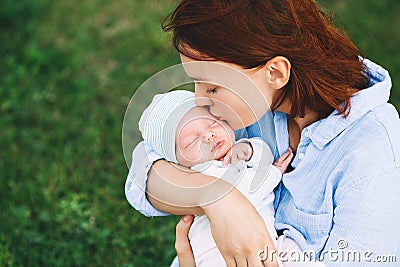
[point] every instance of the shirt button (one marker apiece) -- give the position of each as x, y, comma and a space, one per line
301, 155
306, 134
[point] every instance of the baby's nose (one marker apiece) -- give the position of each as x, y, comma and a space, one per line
209, 135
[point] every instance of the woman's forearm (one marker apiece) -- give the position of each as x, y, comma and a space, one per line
178, 190
237, 228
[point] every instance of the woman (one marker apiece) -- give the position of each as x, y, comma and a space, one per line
329, 105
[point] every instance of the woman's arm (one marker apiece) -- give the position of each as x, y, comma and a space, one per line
156, 187
237, 228
178, 190
366, 222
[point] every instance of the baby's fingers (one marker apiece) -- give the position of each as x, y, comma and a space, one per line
288, 155
240, 155
226, 160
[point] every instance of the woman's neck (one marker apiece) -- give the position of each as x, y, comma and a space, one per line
297, 124
309, 116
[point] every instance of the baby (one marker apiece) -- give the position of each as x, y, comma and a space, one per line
190, 136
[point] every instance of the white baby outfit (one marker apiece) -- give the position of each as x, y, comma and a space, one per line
255, 179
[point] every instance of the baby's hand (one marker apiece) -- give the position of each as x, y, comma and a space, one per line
239, 151
283, 161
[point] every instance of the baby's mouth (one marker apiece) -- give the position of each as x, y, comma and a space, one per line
218, 145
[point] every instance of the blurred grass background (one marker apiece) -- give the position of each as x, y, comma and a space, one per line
67, 72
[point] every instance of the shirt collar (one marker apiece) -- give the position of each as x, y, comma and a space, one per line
325, 130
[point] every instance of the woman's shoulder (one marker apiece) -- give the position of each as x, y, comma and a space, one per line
381, 124
374, 137
360, 141
366, 150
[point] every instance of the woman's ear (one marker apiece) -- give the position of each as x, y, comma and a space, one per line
278, 72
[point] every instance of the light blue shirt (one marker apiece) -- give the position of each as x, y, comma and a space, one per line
342, 200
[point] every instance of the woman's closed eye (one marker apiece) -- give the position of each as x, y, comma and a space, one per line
211, 91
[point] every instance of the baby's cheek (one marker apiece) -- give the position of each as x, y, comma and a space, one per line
207, 153
227, 135
193, 154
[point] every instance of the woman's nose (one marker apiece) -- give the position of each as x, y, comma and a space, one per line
201, 99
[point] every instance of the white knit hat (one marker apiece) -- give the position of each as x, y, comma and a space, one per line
159, 121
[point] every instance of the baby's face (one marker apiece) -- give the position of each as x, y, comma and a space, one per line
202, 137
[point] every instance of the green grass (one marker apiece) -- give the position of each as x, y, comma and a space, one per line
67, 72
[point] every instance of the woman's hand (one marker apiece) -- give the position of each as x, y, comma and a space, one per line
240, 232
182, 245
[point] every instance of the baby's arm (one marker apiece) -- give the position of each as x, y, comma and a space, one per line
244, 150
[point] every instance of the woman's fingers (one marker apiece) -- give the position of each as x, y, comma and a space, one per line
255, 262
241, 262
238, 230
182, 245
230, 262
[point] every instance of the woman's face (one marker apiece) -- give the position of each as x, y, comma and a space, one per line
236, 95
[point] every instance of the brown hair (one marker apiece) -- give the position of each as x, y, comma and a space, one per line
325, 66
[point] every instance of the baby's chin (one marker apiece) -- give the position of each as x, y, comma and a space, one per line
221, 154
